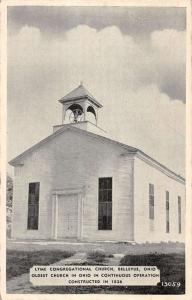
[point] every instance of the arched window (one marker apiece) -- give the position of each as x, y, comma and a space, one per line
91, 114
74, 113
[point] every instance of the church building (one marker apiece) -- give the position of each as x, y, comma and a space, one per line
78, 184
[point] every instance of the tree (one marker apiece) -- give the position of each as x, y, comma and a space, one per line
9, 203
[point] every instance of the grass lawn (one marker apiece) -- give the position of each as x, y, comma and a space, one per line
19, 262
107, 247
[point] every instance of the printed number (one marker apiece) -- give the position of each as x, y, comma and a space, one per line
171, 283
116, 281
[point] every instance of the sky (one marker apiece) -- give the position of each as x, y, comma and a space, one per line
132, 59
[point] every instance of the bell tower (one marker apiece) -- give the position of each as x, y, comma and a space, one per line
80, 109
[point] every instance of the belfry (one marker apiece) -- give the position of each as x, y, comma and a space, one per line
80, 102
80, 109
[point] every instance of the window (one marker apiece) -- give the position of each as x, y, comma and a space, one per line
167, 212
151, 201
33, 206
105, 204
179, 214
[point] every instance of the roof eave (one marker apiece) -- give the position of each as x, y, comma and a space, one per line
130, 150
63, 100
158, 165
15, 163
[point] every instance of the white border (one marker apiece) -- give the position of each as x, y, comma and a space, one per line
138, 3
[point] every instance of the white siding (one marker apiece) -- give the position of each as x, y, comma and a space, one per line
73, 160
155, 230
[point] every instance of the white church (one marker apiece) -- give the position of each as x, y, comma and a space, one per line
77, 184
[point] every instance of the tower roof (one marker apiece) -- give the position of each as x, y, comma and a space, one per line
79, 93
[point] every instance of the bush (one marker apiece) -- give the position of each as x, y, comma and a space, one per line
9, 200
97, 256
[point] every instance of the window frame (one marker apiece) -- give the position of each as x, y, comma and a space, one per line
108, 192
33, 206
151, 201
179, 215
167, 208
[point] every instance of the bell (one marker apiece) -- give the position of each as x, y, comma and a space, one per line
76, 113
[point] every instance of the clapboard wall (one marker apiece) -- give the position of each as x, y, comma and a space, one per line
75, 160
155, 230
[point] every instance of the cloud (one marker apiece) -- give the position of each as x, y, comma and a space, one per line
170, 45
134, 81
168, 49
84, 50
54, 20
149, 120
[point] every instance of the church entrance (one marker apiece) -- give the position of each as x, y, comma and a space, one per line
67, 213
67, 226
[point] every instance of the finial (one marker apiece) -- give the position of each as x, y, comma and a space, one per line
81, 83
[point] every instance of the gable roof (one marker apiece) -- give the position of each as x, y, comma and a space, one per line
129, 150
79, 93
68, 127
